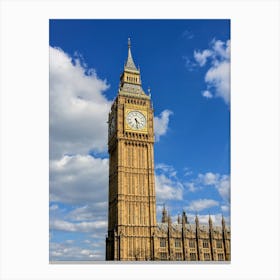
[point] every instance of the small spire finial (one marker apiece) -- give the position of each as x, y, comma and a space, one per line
164, 215
179, 219
129, 43
196, 219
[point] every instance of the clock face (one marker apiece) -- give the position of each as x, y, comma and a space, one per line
136, 120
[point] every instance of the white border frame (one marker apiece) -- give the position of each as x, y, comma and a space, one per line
254, 130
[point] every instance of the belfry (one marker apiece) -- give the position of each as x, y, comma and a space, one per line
133, 233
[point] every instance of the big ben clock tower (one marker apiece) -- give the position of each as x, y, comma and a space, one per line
132, 211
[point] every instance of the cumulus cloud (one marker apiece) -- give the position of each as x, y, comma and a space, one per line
72, 252
76, 101
162, 167
167, 189
77, 227
161, 123
208, 178
168, 186
201, 57
225, 208
223, 187
219, 181
201, 204
203, 219
79, 179
191, 186
207, 94
217, 77
89, 212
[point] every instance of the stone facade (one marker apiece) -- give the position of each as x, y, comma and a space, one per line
133, 232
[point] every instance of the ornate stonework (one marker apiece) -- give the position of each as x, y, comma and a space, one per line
133, 233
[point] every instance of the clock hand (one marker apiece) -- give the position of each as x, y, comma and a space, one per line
136, 122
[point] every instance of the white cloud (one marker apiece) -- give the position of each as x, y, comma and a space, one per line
69, 252
191, 186
187, 171
77, 227
168, 186
162, 167
207, 94
76, 101
89, 212
223, 187
79, 179
161, 123
204, 219
225, 208
217, 77
168, 189
201, 204
208, 178
221, 49
201, 57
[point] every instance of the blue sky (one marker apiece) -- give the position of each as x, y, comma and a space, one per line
186, 63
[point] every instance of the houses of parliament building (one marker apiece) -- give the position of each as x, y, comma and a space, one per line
133, 232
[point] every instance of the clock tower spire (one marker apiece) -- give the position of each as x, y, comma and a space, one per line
130, 63
130, 80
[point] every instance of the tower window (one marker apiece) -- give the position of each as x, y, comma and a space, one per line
206, 256
162, 242
177, 242
193, 256
191, 244
163, 256
220, 257
205, 244
219, 243
178, 256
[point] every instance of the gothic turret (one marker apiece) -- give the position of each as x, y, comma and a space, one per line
196, 221
210, 222
164, 218
179, 219
184, 218
223, 222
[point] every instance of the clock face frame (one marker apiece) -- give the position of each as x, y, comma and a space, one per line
136, 120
